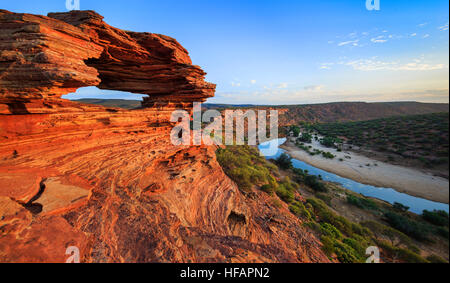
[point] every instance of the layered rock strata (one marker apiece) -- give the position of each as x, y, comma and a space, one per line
108, 180
47, 57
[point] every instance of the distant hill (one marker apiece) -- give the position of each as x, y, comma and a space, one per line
356, 111
342, 111
120, 103
324, 113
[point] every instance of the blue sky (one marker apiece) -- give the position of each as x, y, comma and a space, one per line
292, 51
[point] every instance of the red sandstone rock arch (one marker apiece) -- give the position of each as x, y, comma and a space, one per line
43, 58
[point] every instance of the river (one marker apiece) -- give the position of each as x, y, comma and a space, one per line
417, 205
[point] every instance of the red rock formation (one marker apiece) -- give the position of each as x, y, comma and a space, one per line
108, 180
47, 57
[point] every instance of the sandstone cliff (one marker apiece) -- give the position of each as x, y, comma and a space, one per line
108, 180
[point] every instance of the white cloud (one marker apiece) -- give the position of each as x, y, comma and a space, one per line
378, 65
444, 27
235, 84
253, 82
352, 42
326, 66
379, 39
422, 25
413, 34
426, 35
283, 85
314, 88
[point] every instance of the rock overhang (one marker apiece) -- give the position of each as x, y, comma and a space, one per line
43, 58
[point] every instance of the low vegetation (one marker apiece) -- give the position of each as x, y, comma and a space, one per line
421, 137
342, 239
363, 203
246, 167
315, 151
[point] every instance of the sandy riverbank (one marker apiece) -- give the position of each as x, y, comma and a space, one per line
402, 179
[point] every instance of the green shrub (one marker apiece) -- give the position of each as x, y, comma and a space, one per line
328, 141
330, 231
328, 155
327, 245
305, 137
300, 210
360, 230
443, 232
411, 257
314, 183
400, 207
268, 188
295, 130
326, 198
362, 243
400, 254
410, 227
313, 225
362, 203
436, 259
326, 215
284, 161
246, 167
345, 253
276, 203
358, 246
394, 236
285, 194
436, 217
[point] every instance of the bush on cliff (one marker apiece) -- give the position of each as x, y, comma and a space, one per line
410, 227
436, 217
246, 167
284, 161
362, 203
300, 210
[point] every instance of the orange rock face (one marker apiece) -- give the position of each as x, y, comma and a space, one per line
47, 57
107, 180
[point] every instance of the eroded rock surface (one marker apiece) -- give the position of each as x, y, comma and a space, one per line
108, 180
47, 57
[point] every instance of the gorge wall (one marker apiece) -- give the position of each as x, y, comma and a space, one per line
108, 180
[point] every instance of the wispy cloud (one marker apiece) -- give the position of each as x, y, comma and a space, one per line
253, 82
352, 42
444, 27
326, 66
378, 65
314, 88
379, 39
282, 85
